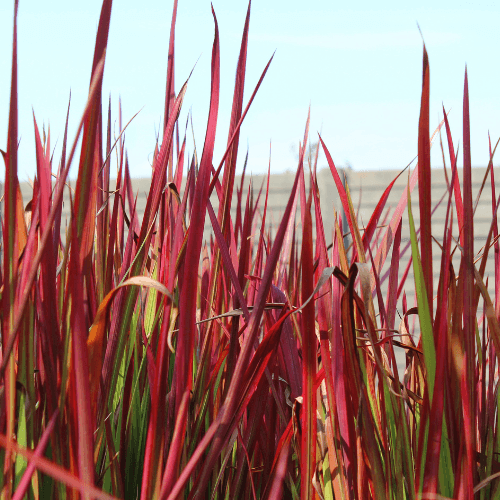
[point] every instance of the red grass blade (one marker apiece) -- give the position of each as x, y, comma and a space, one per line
102, 215
189, 290
373, 222
83, 227
226, 258
438, 447
424, 183
23, 485
302, 184
159, 174
342, 193
51, 344
456, 186
393, 280
385, 245
10, 264
468, 297
80, 388
56, 471
236, 131
387, 240
86, 187
230, 162
309, 368
174, 455
278, 470
170, 89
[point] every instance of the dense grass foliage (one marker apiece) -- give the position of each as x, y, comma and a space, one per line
140, 361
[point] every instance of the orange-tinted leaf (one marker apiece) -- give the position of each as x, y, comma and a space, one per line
96, 338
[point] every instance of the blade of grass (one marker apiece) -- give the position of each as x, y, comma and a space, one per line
424, 184
456, 186
342, 193
189, 289
468, 298
49, 335
230, 162
438, 470
86, 186
83, 227
309, 348
274, 487
23, 485
55, 471
373, 222
79, 393
10, 256
427, 335
170, 89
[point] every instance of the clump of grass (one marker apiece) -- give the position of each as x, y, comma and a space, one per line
140, 362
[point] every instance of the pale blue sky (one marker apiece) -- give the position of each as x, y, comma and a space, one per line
359, 68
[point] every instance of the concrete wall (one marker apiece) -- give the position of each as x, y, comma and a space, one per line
366, 189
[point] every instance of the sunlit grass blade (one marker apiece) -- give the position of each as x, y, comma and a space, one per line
373, 222
424, 184
385, 245
342, 193
170, 88
232, 139
23, 485
172, 463
456, 185
10, 266
86, 186
393, 279
438, 474
229, 171
278, 470
56, 471
61, 169
468, 297
102, 215
79, 394
82, 236
309, 366
427, 335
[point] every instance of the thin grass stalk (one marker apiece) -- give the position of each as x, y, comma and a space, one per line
468, 316
10, 255
425, 184
308, 419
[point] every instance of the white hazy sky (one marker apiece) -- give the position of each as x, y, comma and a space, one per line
359, 67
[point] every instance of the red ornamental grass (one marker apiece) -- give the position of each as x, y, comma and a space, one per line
140, 360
